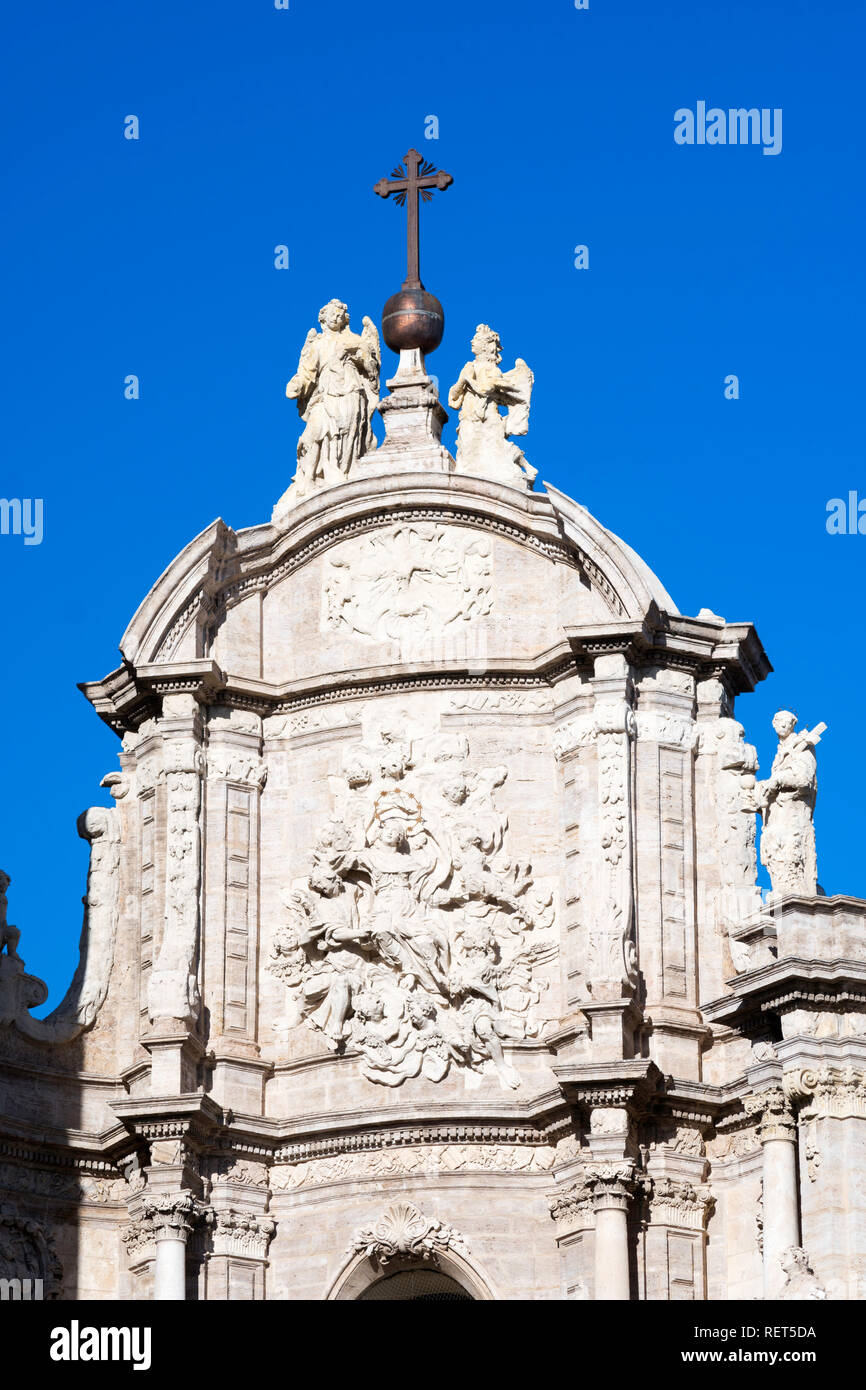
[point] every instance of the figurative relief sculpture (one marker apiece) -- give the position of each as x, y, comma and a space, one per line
407, 582
336, 387
484, 447
786, 801
415, 940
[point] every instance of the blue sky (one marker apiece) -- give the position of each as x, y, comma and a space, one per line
260, 127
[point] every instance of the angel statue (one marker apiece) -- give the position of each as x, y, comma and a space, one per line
336, 387
483, 444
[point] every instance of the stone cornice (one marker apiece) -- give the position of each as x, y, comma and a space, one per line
127, 697
194, 1118
770, 987
631, 1083
732, 653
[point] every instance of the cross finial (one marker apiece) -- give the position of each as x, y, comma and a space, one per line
409, 180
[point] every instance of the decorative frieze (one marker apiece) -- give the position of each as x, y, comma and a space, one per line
424, 1159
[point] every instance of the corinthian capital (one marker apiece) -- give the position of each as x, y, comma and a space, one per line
777, 1118
170, 1217
827, 1090
611, 1184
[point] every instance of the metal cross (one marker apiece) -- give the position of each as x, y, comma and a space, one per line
418, 177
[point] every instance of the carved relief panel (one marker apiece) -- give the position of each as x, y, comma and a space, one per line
419, 936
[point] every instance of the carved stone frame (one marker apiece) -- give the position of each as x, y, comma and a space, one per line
360, 1271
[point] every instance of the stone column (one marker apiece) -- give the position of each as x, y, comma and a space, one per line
778, 1135
172, 1220
611, 1189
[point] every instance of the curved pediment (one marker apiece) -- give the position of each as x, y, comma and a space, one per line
431, 572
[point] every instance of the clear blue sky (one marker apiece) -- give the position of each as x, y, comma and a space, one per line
261, 126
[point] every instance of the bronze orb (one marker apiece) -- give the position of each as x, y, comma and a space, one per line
412, 318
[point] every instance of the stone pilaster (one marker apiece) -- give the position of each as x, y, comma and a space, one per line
611, 963
237, 1262
173, 998
830, 1100
728, 896
572, 1211
665, 877
235, 778
678, 1209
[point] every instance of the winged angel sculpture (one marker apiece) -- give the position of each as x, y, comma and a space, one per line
483, 434
336, 387
414, 939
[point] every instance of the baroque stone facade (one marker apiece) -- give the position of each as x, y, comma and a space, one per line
423, 948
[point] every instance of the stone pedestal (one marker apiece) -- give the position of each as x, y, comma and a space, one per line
613, 1028
413, 419
174, 1060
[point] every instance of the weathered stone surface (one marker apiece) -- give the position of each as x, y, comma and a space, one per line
425, 932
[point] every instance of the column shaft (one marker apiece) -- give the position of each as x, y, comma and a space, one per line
170, 1271
611, 1252
781, 1213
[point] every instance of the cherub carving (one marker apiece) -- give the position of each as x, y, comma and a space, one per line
483, 444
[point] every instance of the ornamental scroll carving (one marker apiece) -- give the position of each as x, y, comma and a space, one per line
100, 826
407, 582
173, 988
611, 968
403, 1231
416, 940
19, 993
